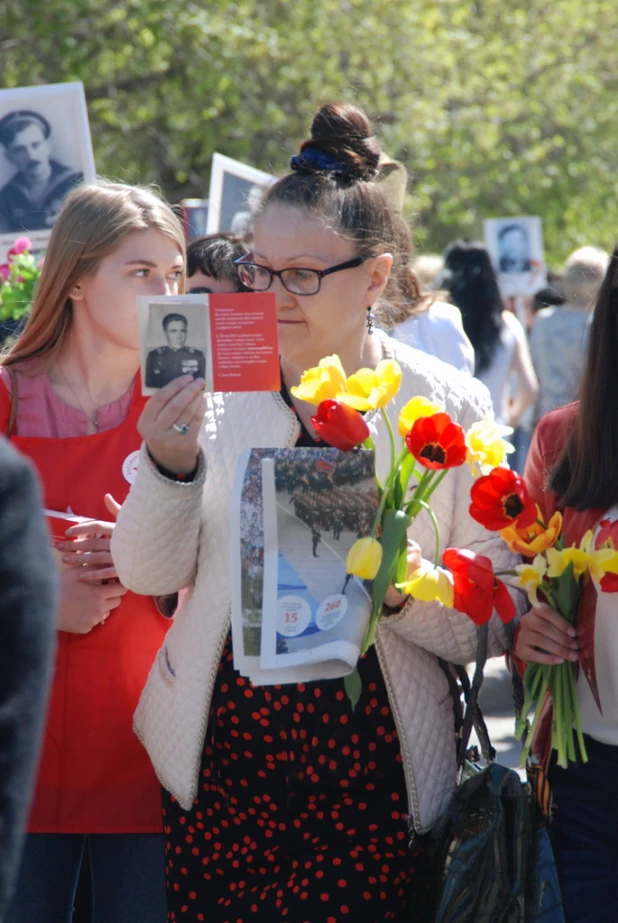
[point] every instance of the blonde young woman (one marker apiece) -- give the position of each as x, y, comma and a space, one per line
70, 399
281, 804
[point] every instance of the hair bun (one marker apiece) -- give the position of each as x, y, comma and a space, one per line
342, 133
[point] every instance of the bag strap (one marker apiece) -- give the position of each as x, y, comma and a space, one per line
14, 401
459, 683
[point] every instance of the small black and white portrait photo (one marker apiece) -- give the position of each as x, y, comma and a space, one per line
235, 193
514, 248
173, 336
45, 150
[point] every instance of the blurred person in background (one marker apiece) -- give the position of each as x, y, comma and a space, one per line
559, 337
500, 344
425, 321
211, 265
27, 635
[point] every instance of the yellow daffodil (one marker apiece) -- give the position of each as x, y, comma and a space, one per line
558, 561
368, 390
487, 447
600, 562
530, 577
326, 382
415, 409
364, 558
428, 583
534, 539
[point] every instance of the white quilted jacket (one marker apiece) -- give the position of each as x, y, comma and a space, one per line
171, 535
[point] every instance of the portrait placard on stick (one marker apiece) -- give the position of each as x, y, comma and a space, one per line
45, 150
235, 190
515, 246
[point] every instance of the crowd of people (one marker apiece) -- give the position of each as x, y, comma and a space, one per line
186, 792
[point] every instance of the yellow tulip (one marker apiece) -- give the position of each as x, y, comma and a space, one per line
326, 382
530, 577
487, 447
428, 583
415, 409
535, 538
368, 390
364, 558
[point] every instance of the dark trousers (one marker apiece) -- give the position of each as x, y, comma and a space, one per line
128, 876
585, 835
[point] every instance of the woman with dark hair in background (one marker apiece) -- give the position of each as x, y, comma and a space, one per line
280, 802
503, 360
422, 320
573, 466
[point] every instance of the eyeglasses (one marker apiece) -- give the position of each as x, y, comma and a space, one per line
200, 290
298, 281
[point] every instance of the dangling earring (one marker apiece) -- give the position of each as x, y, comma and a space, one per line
370, 320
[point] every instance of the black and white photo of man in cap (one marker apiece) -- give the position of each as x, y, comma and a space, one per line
168, 362
32, 198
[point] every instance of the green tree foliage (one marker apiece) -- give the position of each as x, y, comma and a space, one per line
495, 108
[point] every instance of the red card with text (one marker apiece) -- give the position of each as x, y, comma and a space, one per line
243, 342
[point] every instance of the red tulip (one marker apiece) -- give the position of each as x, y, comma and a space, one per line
500, 499
339, 425
477, 590
437, 442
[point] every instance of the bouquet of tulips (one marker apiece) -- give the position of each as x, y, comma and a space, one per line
554, 573
18, 279
429, 444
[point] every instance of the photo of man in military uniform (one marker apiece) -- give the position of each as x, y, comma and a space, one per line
168, 362
32, 197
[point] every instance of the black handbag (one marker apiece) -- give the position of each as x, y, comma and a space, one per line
490, 853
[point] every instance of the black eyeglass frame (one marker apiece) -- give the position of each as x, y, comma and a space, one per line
320, 273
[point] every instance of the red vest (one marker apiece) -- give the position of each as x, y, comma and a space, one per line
94, 775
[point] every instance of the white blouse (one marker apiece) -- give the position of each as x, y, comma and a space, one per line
439, 332
603, 727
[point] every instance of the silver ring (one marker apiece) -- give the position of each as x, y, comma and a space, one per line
181, 428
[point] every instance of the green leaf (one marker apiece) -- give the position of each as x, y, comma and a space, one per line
566, 593
395, 525
353, 687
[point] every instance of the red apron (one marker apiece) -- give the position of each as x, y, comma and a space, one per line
94, 775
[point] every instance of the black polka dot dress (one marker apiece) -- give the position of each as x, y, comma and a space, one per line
301, 808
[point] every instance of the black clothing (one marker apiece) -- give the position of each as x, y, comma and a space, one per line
27, 636
164, 364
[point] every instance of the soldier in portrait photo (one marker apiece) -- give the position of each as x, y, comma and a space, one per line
32, 197
164, 363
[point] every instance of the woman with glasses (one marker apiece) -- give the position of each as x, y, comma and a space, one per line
281, 803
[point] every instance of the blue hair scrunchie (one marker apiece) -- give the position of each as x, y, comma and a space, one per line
313, 159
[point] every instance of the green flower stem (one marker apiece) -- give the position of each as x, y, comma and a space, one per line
391, 436
411, 507
435, 483
578, 724
436, 530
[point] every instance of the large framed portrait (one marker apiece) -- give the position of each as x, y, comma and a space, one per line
45, 150
235, 191
515, 246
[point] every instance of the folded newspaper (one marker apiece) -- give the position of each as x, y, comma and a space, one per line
297, 615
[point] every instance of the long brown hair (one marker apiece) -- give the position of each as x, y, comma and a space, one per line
351, 200
93, 220
586, 475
